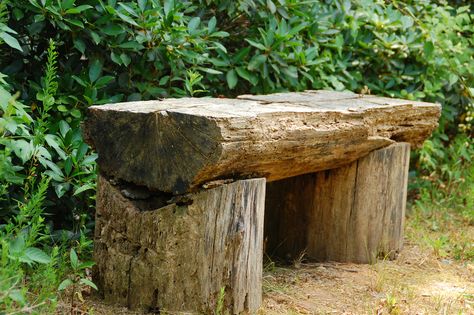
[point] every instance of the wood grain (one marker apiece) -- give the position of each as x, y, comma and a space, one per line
353, 213
176, 145
178, 257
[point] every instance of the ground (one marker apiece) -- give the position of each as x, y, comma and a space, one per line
416, 283
434, 274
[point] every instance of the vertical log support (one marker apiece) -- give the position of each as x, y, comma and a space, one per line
179, 257
350, 214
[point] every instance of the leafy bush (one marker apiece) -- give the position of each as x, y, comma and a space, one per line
113, 51
41, 144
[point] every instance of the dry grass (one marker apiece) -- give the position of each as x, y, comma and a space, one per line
434, 274
416, 283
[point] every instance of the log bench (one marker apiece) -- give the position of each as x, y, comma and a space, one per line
191, 190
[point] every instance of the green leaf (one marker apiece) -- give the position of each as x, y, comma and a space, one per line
80, 45
125, 59
61, 189
220, 34
238, 57
37, 255
86, 264
74, 259
428, 49
79, 9
210, 70
193, 24
54, 168
112, 30
164, 80
65, 284
95, 69
255, 44
68, 166
127, 19
168, 7
54, 142
142, 4
243, 73
17, 245
95, 37
88, 283
77, 23
406, 21
75, 113
128, 9
83, 188
23, 149
103, 81
67, 4
64, 128
131, 45
232, 79
211, 25
256, 61
10, 41
81, 151
79, 80
271, 6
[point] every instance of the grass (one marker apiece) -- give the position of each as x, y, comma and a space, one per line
434, 274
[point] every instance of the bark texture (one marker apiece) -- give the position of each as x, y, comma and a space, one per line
353, 213
176, 258
176, 145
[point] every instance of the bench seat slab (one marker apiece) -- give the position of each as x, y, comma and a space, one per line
176, 145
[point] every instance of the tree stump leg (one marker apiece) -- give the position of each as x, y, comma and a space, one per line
350, 214
178, 257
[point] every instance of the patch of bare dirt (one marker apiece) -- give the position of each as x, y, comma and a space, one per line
416, 283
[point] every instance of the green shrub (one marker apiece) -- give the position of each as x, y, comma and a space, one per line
37, 143
114, 51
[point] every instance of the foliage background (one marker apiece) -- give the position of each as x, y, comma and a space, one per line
61, 56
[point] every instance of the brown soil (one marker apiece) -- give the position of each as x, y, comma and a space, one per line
417, 282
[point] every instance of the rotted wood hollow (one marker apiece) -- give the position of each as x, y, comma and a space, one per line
179, 257
353, 213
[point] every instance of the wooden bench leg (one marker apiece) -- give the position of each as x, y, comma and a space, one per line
179, 257
350, 214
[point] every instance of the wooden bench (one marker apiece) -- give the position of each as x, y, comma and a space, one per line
181, 202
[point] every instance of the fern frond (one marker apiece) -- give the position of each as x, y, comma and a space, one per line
50, 77
3, 12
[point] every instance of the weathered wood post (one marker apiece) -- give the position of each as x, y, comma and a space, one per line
180, 256
354, 213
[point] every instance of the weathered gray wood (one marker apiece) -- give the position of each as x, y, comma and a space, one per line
353, 213
178, 257
175, 145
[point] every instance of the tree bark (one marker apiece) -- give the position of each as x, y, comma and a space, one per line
176, 145
353, 213
178, 257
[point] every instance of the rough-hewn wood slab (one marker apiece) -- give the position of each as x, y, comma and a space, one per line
177, 258
354, 213
175, 145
